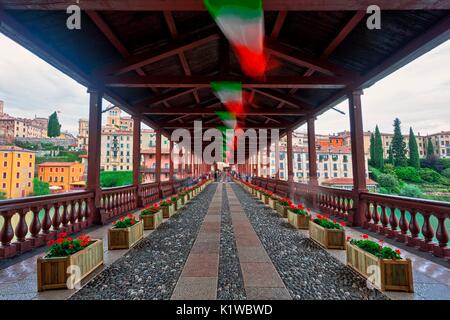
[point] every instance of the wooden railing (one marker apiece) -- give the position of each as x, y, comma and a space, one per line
419, 223
149, 193
116, 201
31, 222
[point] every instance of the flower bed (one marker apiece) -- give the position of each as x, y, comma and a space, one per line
125, 233
327, 233
151, 216
299, 217
282, 207
381, 265
167, 208
83, 252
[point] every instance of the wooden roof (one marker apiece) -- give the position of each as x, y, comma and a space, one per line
157, 58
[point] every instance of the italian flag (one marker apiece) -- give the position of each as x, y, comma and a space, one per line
230, 94
242, 22
228, 118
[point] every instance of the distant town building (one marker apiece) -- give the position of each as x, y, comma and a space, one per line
16, 171
62, 176
347, 184
148, 167
441, 143
83, 134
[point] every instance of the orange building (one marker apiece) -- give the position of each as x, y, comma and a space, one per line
16, 171
62, 176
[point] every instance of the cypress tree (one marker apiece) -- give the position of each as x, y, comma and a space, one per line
414, 160
398, 146
54, 127
372, 146
430, 148
378, 160
390, 155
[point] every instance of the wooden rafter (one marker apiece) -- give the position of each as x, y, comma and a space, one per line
140, 60
173, 31
207, 110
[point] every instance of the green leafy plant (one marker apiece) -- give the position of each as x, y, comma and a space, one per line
411, 191
408, 174
377, 249
165, 203
285, 202
151, 209
300, 210
125, 222
323, 221
65, 246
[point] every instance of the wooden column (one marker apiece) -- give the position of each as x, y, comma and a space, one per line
158, 161
94, 152
290, 164
268, 161
312, 157
358, 159
277, 160
137, 155
171, 164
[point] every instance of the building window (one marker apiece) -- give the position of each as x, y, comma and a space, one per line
17, 175
29, 175
5, 164
50, 179
51, 169
56, 170
4, 186
56, 179
334, 166
18, 155
62, 179
18, 164
4, 175
29, 184
30, 164
62, 169
17, 185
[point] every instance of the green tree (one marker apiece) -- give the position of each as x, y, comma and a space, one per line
390, 156
2, 196
54, 127
430, 148
378, 156
372, 148
398, 146
414, 160
40, 188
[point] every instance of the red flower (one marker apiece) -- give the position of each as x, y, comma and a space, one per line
398, 252
62, 235
133, 222
349, 238
130, 216
60, 240
326, 216
334, 221
51, 242
71, 246
365, 236
342, 223
301, 207
380, 241
69, 239
114, 222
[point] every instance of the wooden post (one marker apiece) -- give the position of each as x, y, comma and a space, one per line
137, 156
290, 165
358, 217
277, 160
158, 162
94, 152
171, 164
312, 155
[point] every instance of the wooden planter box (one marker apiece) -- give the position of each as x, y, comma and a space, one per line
282, 210
180, 203
168, 211
395, 275
125, 238
266, 199
298, 221
328, 238
183, 200
52, 272
189, 196
152, 221
273, 204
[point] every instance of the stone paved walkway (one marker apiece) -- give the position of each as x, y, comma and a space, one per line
225, 245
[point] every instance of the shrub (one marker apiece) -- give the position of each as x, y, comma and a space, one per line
411, 191
445, 162
446, 173
408, 174
388, 181
429, 175
389, 168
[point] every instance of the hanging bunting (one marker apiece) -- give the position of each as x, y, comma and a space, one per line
230, 94
242, 22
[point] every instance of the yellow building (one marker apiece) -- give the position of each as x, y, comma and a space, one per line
62, 176
16, 171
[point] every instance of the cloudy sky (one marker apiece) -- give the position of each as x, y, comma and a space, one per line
419, 94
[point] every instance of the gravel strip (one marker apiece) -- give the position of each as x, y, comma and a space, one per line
231, 282
151, 269
308, 271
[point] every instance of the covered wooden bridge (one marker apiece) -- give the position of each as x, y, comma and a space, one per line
156, 60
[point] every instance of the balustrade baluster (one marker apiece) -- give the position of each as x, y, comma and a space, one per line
65, 216
384, 220
7, 232
35, 226
441, 232
22, 227
73, 212
393, 221
414, 228
368, 213
427, 231
46, 221
403, 224
56, 221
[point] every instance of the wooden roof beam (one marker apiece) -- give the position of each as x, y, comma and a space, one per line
210, 111
319, 82
197, 5
286, 99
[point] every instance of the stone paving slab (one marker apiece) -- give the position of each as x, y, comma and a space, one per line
261, 275
254, 293
195, 288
